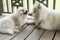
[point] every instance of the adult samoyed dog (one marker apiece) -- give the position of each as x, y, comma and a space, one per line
11, 23
50, 19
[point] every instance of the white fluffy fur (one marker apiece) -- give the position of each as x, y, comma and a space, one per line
50, 19
9, 23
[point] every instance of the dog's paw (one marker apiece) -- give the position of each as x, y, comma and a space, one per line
17, 27
16, 30
10, 32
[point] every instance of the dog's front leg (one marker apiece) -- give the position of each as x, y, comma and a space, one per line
19, 23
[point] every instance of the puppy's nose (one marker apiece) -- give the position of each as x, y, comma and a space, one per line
26, 12
30, 14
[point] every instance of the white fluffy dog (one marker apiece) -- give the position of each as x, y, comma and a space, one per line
9, 23
50, 19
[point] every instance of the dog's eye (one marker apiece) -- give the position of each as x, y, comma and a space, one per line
20, 13
35, 11
22, 10
25, 12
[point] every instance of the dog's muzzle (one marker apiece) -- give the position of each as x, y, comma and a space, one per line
26, 12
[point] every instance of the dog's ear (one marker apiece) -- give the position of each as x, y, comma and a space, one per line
39, 6
36, 2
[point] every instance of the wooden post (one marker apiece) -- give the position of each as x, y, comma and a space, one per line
54, 2
47, 3
1, 7
25, 3
30, 5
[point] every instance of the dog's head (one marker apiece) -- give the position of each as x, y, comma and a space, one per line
36, 11
36, 7
22, 11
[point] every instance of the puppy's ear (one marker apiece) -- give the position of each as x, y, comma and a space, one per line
39, 6
36, 2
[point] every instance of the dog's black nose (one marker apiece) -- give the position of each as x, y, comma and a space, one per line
30, 14
26, 12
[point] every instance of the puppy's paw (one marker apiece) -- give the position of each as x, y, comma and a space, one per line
16, 30
17, 27
10, 32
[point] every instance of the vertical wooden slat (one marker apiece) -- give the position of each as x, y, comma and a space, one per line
50, 4
4, 6
1, 7
12, 5
33, 1
7, 5
47, 3
57, 6
30, 5
22, 2
54, 4
25, 3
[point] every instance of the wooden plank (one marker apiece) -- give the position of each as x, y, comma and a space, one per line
48, 35
24, 33
5, 36
9, 37
57, 36
35, 34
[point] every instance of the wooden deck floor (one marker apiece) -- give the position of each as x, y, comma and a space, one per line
30, 32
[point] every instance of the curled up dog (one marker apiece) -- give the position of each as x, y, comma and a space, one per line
11, 23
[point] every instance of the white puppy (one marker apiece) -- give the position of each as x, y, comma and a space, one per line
50, 19
9, 23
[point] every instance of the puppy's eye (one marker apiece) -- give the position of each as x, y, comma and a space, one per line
35, 11
20, 13
22, 10
25, 12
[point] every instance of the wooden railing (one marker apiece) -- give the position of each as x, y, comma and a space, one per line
8, 6
1, 7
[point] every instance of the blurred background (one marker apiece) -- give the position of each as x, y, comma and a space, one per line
9, 6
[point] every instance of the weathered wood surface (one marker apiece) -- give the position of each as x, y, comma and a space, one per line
30, 32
